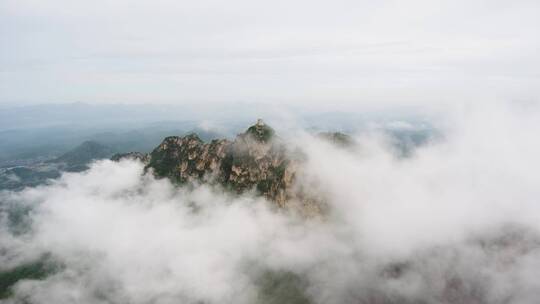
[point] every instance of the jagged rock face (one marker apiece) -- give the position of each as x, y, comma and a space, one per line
188, 158
262, 164
142, 157
254, 160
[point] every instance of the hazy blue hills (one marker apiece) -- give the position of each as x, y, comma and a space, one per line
31, 165
18, 177
39, 142
84, 153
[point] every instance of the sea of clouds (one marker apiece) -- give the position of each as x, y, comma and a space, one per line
457, 221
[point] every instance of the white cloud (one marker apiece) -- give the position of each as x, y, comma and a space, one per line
457, 221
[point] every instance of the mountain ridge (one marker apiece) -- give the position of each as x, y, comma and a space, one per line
256, 160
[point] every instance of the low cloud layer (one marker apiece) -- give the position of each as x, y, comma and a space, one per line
456, 222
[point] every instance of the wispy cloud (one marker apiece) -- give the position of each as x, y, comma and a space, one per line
457, 221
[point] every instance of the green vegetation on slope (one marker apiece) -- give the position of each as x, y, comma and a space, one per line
36, 270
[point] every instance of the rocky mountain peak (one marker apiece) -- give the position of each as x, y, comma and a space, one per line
254, 161
251, 162
260, 131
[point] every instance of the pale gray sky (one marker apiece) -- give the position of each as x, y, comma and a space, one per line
317, 53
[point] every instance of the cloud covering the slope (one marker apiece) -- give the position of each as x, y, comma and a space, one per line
457, 221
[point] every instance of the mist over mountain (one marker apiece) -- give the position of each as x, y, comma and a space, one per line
269, 152
30, 134
453, 221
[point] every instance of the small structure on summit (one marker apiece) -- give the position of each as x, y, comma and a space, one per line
260, 131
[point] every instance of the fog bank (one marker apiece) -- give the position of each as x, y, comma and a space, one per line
455, 222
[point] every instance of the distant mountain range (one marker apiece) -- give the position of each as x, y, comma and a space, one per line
75, 160
255, 159
33, 134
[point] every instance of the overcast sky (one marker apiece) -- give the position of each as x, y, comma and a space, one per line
317, 53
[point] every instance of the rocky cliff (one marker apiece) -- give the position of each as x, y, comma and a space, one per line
256, 160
